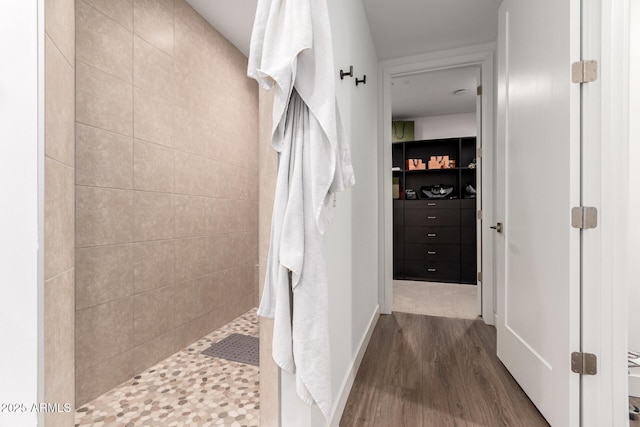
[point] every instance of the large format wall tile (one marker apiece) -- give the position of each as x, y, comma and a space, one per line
59, 210
193, 133
59, 104
92, 381
191, 174
103, 43
60, 25
153, 314
221, 216
58, 214
153, 167
102, 332
190, 303
120, 11
103, 158
103, 274
59, 323
222, 251
103, 101
153, 118
104, 216
154, 216
186, 15
153, 265
153, 70
190, 216
191, 258
153, 21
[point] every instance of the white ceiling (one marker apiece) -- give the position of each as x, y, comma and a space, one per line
431, 94
233, 18
399, 28
409, 27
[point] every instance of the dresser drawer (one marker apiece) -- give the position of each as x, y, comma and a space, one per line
468, 203
468, 274
431, 217
398, 233
398, 269
468, 264
433, 235
468, 236
398, 250
467, 217
398, 217
426, 252
434, 271
432, 203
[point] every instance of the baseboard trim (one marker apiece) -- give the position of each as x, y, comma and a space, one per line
634, 384
341, 403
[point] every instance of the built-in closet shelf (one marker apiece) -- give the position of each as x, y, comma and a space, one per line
435, 239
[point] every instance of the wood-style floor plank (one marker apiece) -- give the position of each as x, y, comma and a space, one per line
405, 349
434, 371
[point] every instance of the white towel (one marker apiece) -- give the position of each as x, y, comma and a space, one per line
291, 49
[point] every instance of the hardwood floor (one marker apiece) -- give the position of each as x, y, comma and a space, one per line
435, 371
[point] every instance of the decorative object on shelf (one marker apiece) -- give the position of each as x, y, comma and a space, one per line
402, 131
410, 194
470, 192
396, 169
416, 165
396, 187
437, 191
441, 162
472, 165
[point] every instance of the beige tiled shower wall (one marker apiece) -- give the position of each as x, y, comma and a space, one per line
166, 186
59, 208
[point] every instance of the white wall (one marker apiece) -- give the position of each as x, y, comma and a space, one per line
447, 126
19, 245
352, 239
634, 178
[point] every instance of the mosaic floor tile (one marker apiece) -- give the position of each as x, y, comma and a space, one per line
186, 389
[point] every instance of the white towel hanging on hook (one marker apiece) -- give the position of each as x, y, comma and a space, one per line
291, 52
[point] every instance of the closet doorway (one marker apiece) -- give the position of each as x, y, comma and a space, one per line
435, 128
435, 124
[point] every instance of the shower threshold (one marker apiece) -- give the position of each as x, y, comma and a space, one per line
187, 388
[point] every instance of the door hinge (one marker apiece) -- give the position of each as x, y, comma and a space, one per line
584, 363
479, 90
479, 152
584, 217
480, 214
479, 276
584, 71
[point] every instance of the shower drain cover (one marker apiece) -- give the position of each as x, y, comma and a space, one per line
236, 347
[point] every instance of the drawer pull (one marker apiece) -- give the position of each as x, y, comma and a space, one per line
432, 252
431, 204
431, 235
431, 217
432, 270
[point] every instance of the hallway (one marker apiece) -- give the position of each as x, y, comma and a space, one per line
435, 371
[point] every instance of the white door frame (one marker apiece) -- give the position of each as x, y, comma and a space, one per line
605, 254
483, 56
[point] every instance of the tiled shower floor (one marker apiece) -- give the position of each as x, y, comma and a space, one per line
187, 388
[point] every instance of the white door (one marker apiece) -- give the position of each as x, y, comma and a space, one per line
538, 251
